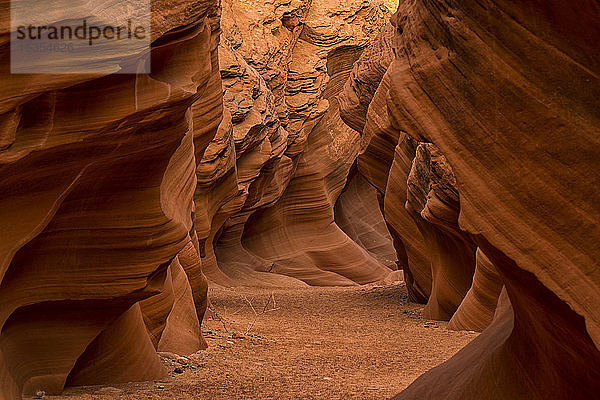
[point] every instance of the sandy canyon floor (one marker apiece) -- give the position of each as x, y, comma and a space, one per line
305, 343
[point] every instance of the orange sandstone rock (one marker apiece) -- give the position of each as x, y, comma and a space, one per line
508, 93
96, 200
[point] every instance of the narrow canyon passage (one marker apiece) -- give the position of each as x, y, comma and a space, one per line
309, 343
232, 219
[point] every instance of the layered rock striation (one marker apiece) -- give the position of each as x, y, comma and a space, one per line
505, 93
470, 142
99, 262
282, 65
118, 192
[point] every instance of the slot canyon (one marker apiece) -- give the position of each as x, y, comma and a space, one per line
352, 199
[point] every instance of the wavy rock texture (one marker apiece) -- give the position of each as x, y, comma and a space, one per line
421, 201
432, 200
471, 142
519, 134
477, 309
386, 159
358, 214
96, 185
282, 64
507, 92
251, 171
304, 241
408, 238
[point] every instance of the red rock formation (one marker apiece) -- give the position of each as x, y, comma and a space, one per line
298, 233
420, 199
358, 214
255, 167
432, 200
408, 239
477, 309
96, 185
508, 93
292, 153
481, 82
387, 157
475, 123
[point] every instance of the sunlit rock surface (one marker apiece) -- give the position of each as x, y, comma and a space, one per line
282, 65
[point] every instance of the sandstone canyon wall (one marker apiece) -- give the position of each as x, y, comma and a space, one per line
295, 152
99, 266
119, 192
493, 111
282, 65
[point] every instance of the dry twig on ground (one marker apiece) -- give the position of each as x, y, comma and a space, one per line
248, 302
